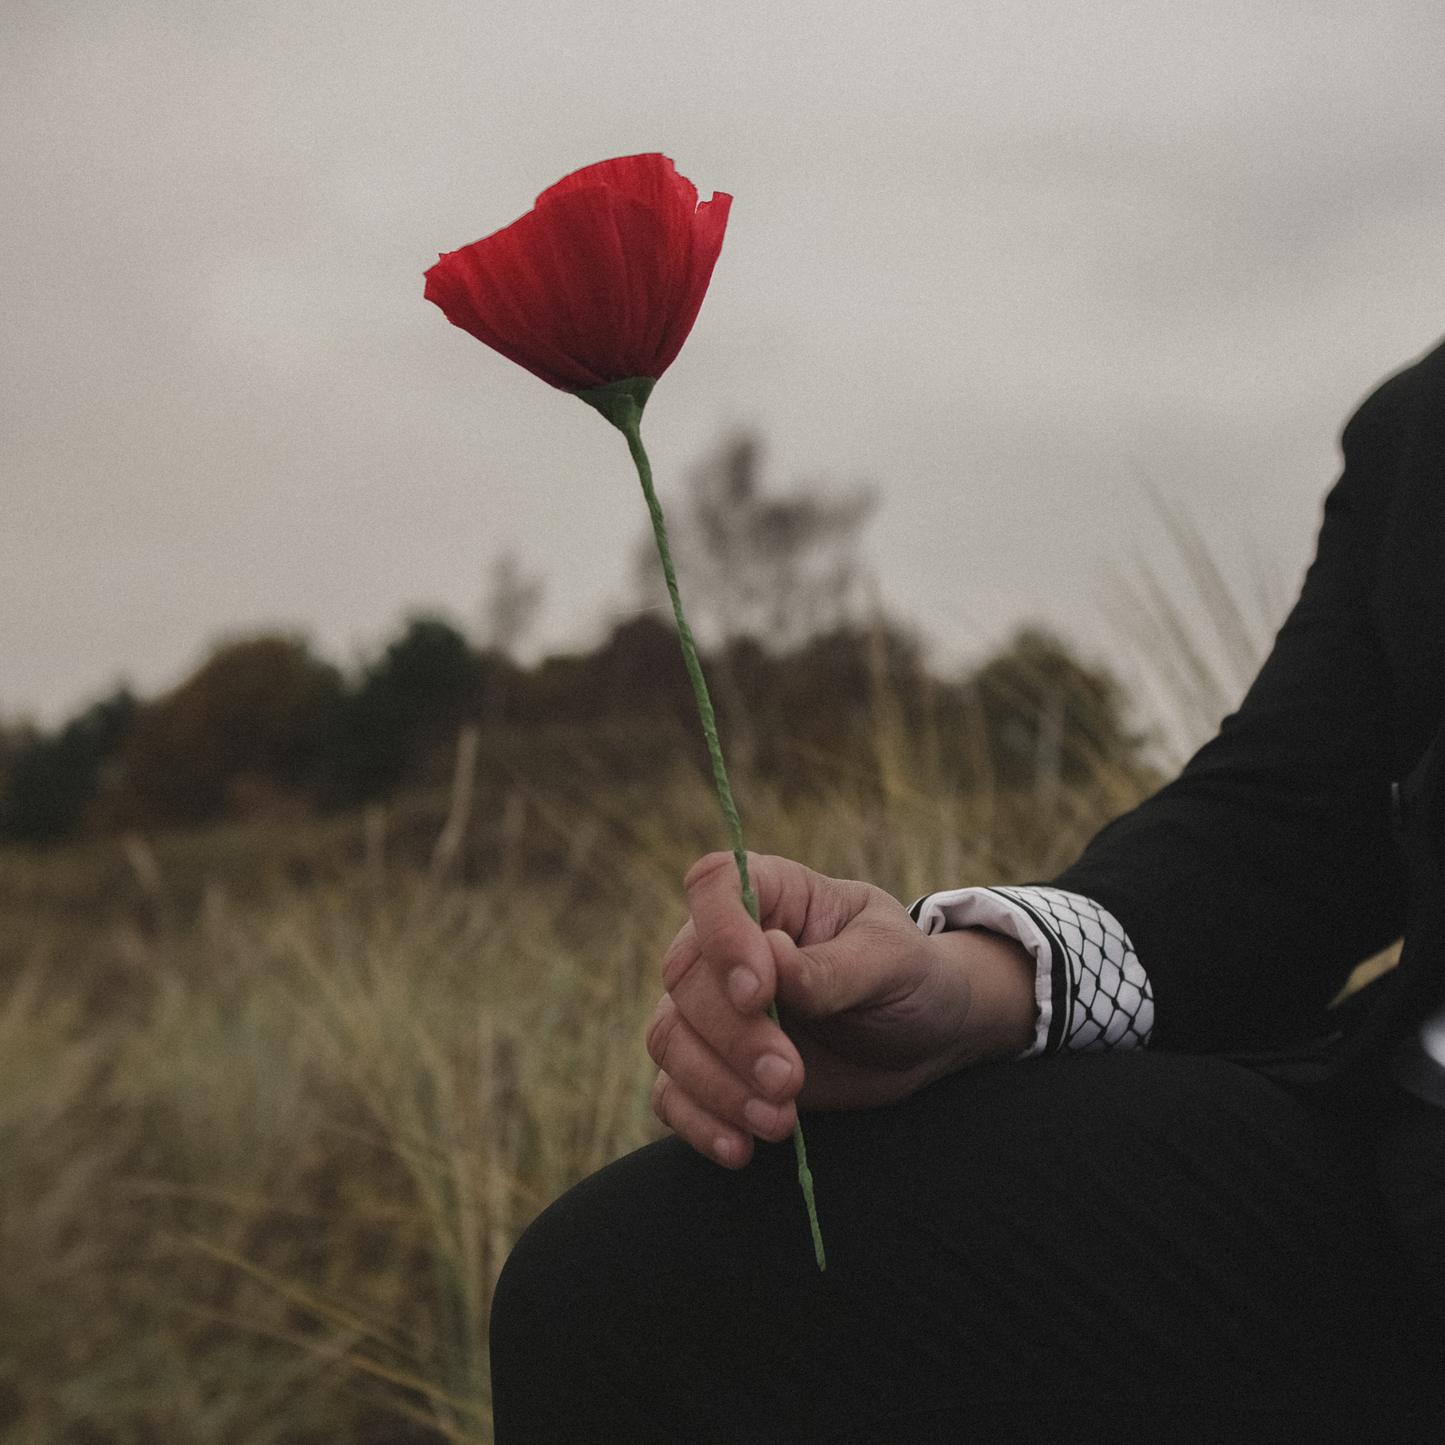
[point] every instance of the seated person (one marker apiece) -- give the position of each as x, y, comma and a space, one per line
1092, 1158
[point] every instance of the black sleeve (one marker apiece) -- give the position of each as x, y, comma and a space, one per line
1253, 883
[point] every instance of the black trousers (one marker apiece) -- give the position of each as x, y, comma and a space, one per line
1114, 1246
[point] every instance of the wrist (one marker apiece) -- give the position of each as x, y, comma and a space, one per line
1002, 1011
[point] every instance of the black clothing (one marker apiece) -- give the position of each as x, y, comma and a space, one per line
1144, 1244
1116, 1246
1311, 832
1255, 882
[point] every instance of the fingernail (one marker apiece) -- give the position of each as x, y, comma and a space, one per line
743, 986
760, 1116
722, 1149
772, 1072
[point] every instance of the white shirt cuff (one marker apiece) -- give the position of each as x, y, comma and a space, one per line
1091, 990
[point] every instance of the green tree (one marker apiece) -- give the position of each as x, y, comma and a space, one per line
50, 781
1050, 718
406, 705
245, 735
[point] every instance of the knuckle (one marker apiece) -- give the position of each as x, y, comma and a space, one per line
660, 1030
659, 1098
679, 963
705, 868
823, 973
681, 952
782, 1126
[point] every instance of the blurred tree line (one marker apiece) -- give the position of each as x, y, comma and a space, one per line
807, 693
267, 729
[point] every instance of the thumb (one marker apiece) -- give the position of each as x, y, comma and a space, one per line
814, 981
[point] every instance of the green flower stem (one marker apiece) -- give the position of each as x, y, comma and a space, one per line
621, 402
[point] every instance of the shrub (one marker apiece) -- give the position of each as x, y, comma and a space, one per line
50, 781
244, 736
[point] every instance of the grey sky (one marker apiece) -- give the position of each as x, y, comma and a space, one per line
1009, 260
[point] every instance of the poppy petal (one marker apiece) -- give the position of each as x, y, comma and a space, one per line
601, 281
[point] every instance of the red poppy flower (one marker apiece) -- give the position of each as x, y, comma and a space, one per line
594, 290
600, 282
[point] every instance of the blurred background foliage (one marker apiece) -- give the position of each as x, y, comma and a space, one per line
266, 730
316, 985
798, 660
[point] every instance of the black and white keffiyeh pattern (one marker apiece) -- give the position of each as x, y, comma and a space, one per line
1091, 990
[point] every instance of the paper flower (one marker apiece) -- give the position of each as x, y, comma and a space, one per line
594, 290
600, 281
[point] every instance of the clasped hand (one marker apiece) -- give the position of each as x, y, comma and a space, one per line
873, 1008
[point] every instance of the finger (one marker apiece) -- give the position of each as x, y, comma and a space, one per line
681, 939
727, 937
716, 1039
759, 1104
809, 907
721, 978
682, 953
710, 1136
741, 985
877, 960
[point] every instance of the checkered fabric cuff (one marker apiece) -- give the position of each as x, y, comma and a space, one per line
1091, 990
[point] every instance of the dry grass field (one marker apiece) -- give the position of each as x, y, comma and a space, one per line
275, 1100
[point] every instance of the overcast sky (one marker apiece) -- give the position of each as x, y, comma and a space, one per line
1009, 260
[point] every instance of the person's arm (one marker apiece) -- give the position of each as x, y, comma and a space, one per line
1253, 883
1250, 887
